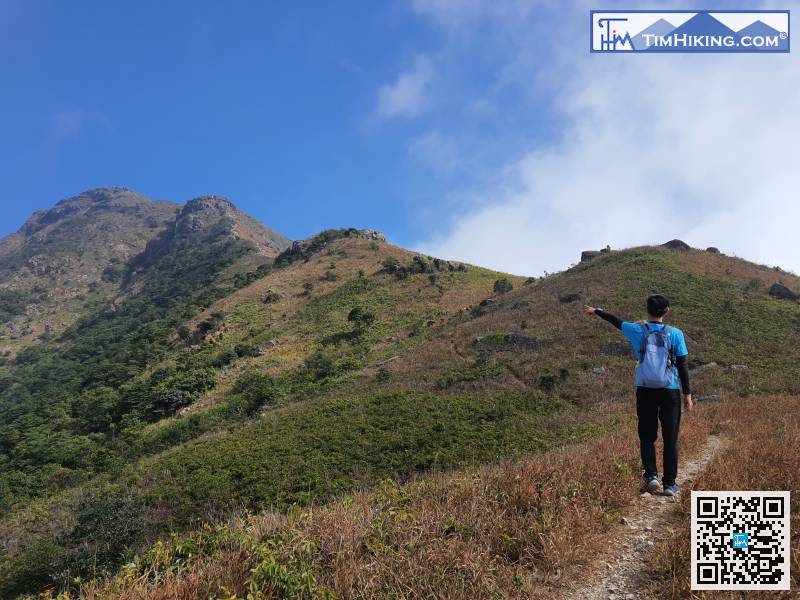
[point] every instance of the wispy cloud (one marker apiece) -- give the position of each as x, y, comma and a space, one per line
70, 123
649, 148
437, 151
409, 94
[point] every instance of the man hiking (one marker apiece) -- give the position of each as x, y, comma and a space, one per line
662, 355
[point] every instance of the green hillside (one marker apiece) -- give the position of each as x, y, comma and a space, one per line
227, 376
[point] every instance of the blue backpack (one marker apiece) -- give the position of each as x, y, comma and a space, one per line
656, 357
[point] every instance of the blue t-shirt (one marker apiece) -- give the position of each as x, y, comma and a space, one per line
634, 333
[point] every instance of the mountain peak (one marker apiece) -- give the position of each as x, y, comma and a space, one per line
90, 201
210, 202
213, 213
101, 194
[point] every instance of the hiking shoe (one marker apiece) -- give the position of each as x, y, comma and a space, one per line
651, 485
671, 490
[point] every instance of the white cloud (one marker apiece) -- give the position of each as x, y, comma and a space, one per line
698, 147
409, 94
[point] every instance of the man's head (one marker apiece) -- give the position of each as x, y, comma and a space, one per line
657, 306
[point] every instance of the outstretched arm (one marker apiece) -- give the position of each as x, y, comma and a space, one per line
615, 321
682, 363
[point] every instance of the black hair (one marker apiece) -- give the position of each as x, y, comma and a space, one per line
657, 305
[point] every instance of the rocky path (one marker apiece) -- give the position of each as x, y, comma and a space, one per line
619, 577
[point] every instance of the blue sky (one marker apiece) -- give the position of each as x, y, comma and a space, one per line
276, 105
263, 102
480, 131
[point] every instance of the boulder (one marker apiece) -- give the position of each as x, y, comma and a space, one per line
781, 292
371, 234
677, 245
588, 255
713, 250
701, 368
599, 370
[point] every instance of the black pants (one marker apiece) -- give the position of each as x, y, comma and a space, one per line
652, 406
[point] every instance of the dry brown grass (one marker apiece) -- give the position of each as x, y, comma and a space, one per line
763, 455
705, 263
523, 528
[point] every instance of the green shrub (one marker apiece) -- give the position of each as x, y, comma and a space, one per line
109, 525
361, 318
270, 297
503, 286
225, 357
94, 409
38, 564
13, 303
243, 349
393, 266
257, 390
321, 364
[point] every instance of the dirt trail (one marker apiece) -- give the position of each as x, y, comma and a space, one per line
619, 576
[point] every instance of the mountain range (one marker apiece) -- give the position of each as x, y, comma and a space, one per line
166, 365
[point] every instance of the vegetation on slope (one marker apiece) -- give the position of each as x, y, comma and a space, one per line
226, 343
69, 255
355, 361
63, 402
521, 528
536, 335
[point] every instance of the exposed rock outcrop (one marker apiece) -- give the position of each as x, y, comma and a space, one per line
677, 245
781, 292
588, 255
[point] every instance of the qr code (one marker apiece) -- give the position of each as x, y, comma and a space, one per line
740, 540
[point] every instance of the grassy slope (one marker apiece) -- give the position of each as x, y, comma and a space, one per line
520, 528
443, 402
720, 302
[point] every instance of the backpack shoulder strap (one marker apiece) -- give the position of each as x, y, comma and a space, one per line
645, 333
670, 348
